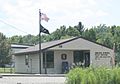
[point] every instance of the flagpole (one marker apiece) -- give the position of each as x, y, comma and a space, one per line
39, 41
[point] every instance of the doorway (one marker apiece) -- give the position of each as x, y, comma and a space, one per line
82, 56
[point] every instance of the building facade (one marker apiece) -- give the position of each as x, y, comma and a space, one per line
58, 56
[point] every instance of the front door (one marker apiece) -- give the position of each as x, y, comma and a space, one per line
87, 59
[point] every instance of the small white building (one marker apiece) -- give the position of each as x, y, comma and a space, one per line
57, 56
17, 47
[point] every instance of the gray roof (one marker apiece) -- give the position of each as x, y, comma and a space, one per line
45, 45
51, 44
19, 46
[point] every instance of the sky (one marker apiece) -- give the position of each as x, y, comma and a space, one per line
21, 17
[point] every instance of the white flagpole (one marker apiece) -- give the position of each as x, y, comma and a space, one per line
39, 41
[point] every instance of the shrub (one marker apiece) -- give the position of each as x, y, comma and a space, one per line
93, 76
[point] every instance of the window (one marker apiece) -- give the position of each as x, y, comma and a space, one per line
78, 56
49, 59
26, 59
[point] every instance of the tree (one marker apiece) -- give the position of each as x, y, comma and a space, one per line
15, 39
30, 39
4, 50
20, 40
113, 30
56, 35
71, 31
80, 28
90, 34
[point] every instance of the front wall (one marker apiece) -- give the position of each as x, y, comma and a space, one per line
58, 61
81, 44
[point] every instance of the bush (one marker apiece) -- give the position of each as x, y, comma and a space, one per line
93, 76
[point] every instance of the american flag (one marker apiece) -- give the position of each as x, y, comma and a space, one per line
44, 17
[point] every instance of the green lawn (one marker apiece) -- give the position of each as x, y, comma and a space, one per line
7, 70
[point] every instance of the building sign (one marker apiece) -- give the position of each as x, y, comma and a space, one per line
99, 55
64, 56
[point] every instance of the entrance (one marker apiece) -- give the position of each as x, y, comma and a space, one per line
65, 67
82, 57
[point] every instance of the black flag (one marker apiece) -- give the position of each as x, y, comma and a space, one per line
44, 30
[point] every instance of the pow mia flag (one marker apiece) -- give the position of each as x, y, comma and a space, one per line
44, 30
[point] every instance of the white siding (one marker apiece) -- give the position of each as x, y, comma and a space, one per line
20, 64
58, 61
34, 63
32, 67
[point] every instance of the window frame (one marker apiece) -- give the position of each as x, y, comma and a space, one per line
49, 62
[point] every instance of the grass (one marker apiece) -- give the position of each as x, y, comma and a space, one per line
7, 70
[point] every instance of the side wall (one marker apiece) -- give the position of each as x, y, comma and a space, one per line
32, 67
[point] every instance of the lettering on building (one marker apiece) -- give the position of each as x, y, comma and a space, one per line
99, 55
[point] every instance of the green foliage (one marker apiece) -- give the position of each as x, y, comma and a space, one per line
90, 34
4, 49
93, 76
80, 28
71, 31
28, 39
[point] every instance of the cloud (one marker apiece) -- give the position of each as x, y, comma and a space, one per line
22, 16
24, 13
92, 2
101, 13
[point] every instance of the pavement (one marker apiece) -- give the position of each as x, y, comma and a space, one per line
32, 79
34, 75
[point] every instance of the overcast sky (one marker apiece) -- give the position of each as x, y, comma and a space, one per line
24, 14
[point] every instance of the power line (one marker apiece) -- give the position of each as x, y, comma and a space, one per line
12, 26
